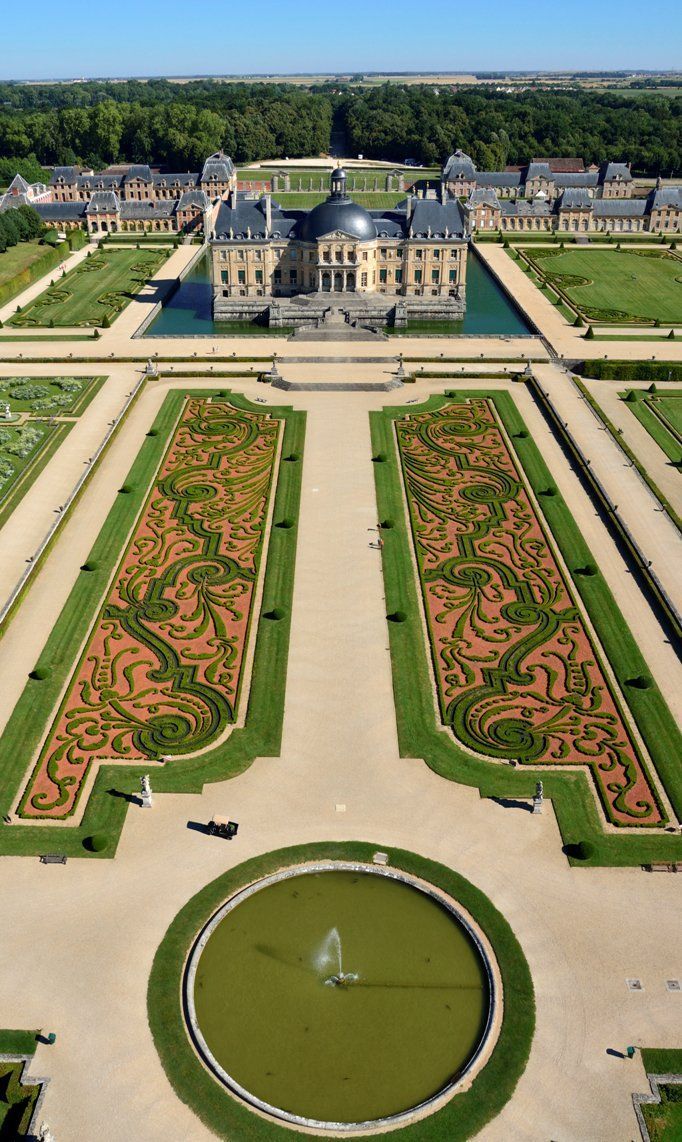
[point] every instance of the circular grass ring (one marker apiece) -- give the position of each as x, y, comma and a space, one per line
463, 1116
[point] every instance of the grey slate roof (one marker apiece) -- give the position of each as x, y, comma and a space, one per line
609, 172
499, 178
586, 178
666, 196
60, 211
187, 178
483, 196
619, 207
19, 184
95, 182
218, 166
103, 202
249, 218
539, 170
160, 208
139, 170
11, 201
575, 198
193, 198
69, 174
431, 215
459, 165
525, 208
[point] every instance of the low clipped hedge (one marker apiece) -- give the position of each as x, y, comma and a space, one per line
52, 256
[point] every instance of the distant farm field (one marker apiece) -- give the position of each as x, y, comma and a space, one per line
616, 285
97, 289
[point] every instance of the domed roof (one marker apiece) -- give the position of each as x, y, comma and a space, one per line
338, 214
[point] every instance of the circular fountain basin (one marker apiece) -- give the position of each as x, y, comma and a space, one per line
340, 996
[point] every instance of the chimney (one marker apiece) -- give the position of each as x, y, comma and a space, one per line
233, 197
268, 213
410, 207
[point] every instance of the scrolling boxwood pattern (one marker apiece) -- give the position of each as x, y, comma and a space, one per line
162, 667
517, 674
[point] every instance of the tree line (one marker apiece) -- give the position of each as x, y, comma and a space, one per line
19, 225
177, 125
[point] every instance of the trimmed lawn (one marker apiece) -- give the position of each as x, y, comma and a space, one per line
101, 286
19, 258
616, 285
421, 735
662, 418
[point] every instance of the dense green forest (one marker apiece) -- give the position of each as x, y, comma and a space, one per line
178, 125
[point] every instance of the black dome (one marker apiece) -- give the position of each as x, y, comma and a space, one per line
340, 214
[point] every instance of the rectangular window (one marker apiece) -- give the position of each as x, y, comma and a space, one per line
453, 275
293, 277
259, 255
399, 252
293, 254
241, 255
383, 276
223, 276
242, 277
278, 277
363, 279
364, 256
259, 277
417, 276
453, 253
436, 254
398, 276
435, 276
419, 253
383, 251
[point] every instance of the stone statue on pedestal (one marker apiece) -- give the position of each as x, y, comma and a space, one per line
146, 792
538, 798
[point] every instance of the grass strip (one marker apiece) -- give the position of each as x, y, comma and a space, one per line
627, 450
462, 1117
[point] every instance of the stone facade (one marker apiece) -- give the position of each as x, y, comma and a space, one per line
415, 252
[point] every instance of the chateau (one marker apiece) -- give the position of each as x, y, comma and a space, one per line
559, 194
280, 264
394, 264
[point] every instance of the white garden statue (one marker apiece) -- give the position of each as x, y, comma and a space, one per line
146, 792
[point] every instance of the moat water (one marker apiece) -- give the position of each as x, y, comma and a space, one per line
188, 312
341, 996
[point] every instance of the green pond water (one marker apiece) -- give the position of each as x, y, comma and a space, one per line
188, 312
410, 1013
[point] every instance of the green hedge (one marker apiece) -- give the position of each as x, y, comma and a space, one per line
52, 256
630, 370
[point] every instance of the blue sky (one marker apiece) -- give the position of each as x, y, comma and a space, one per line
185, 37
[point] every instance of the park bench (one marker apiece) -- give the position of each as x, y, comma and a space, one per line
53, 858
662, 866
